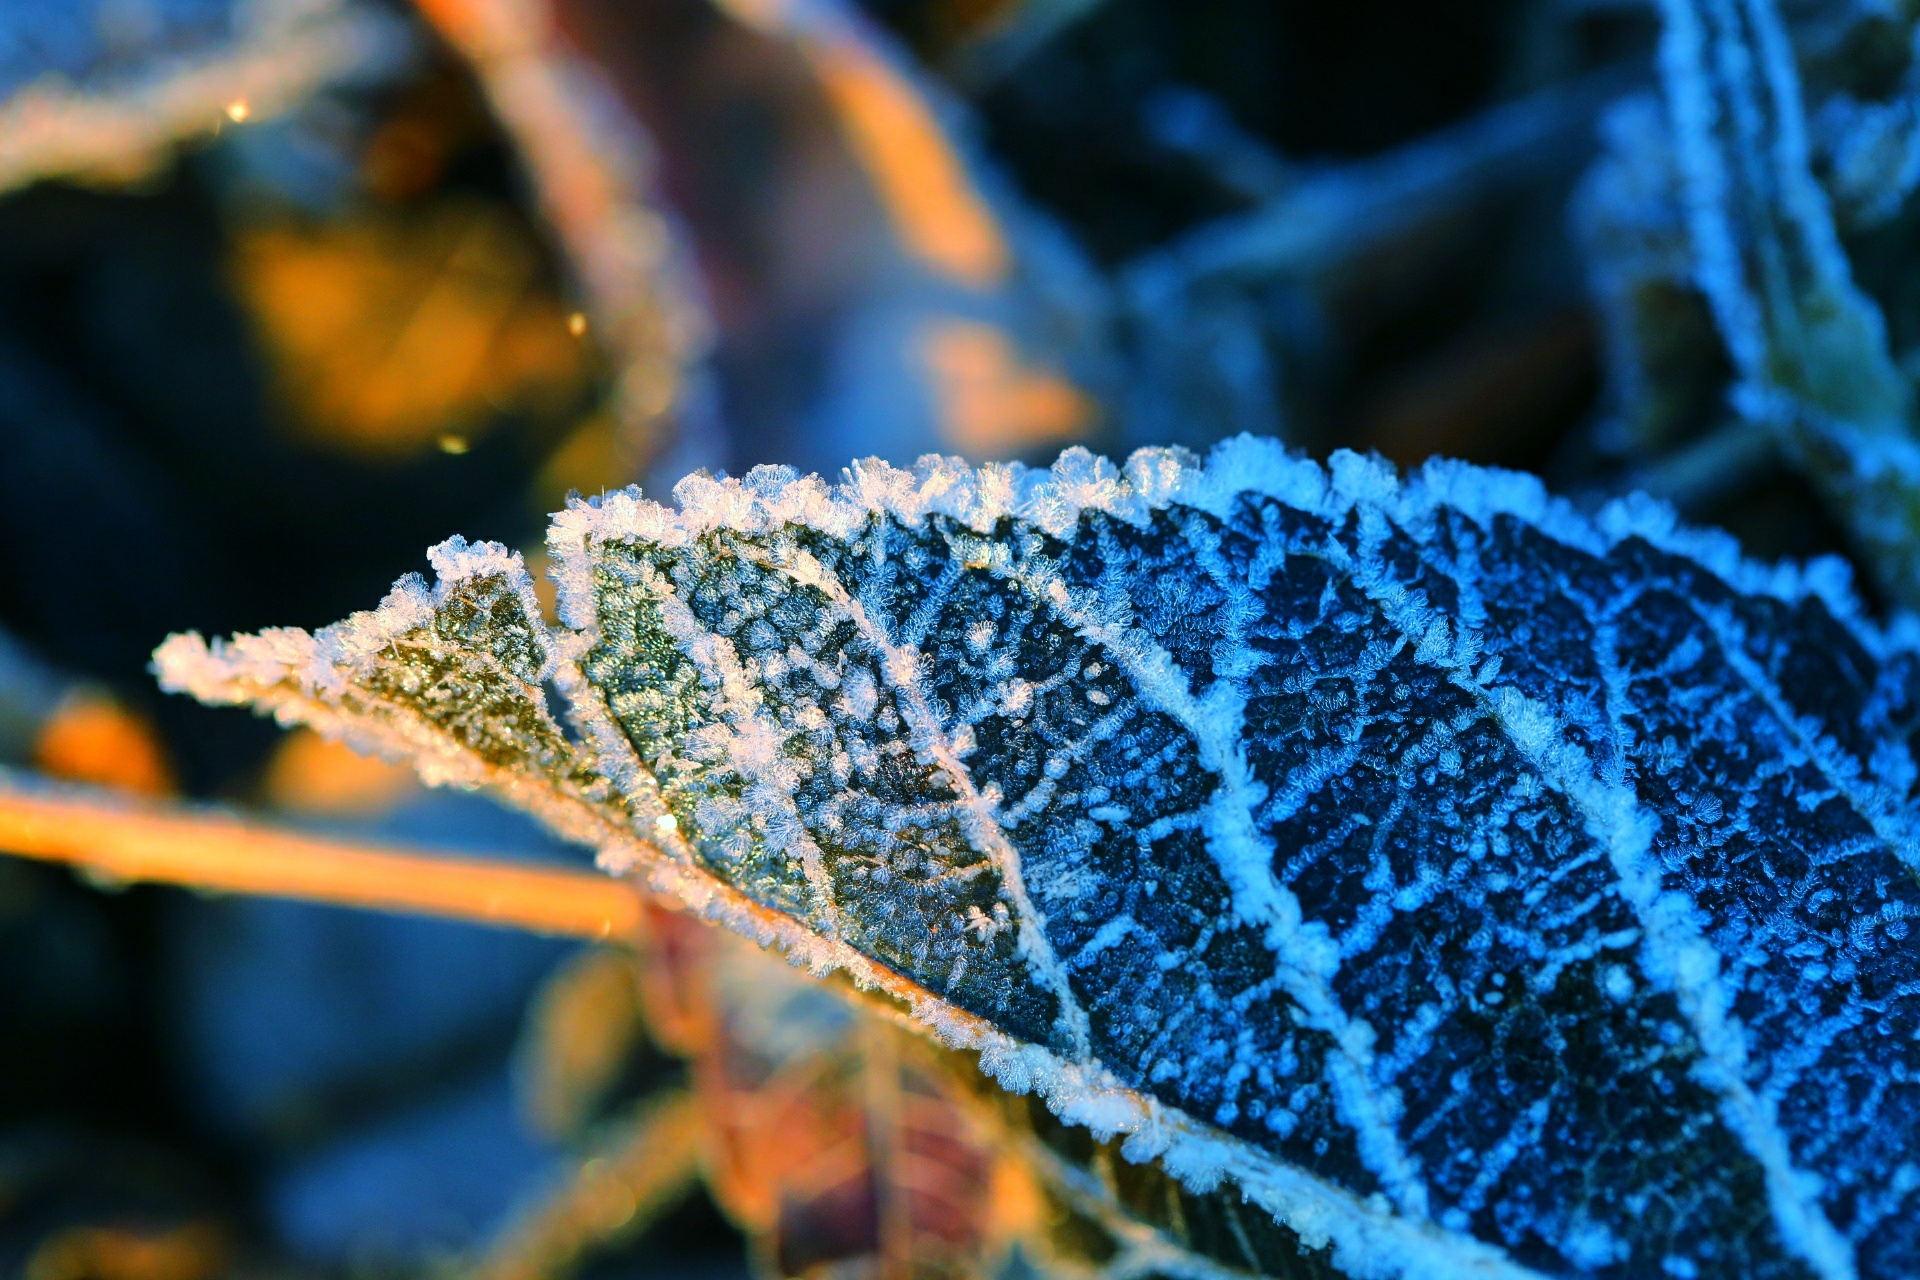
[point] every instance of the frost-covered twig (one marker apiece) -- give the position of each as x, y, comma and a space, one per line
1717, 198
1023, 28
592, 166
120, 128
1319, 221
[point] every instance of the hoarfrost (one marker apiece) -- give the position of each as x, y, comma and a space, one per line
1480, 889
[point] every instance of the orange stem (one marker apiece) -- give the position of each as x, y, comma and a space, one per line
210, 849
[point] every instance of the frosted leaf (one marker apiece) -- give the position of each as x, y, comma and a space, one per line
449, 677
1479, 889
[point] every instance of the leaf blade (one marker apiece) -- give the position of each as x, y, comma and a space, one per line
1432, 931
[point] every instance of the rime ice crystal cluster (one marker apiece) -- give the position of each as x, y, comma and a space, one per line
1484, 890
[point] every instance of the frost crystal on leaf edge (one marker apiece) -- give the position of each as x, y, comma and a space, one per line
1367, 1238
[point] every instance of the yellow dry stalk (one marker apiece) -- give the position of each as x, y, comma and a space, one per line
116, 839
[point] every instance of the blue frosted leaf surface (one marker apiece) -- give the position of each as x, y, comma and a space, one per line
1481, 889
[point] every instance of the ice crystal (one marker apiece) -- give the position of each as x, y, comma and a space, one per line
1481, 889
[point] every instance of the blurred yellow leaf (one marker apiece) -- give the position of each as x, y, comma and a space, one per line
389, 334
195, 1251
